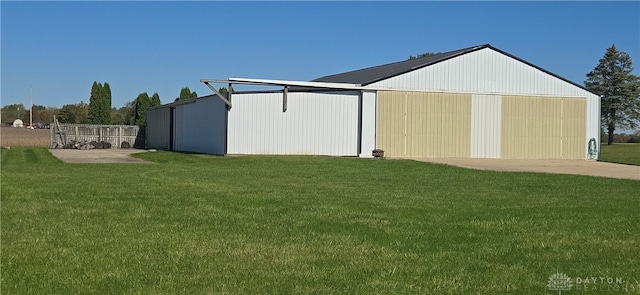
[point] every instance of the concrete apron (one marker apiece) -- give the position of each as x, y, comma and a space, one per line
579, 167
97, 155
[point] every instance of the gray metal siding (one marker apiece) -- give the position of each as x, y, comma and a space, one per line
158, 130
200, 126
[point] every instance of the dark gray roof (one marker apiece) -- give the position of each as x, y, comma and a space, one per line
181, 102
378, 73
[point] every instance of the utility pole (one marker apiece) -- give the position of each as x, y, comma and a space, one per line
30, 109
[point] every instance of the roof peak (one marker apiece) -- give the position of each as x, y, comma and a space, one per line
376, 73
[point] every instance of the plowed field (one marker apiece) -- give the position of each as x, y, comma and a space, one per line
11, 136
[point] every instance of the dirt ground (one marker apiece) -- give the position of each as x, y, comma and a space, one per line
580, 167
98, 155
10, 136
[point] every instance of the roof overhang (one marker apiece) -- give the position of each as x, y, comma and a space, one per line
269, 82
282, 83
338, 86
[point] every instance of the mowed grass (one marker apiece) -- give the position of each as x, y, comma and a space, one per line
622, 153
199, 224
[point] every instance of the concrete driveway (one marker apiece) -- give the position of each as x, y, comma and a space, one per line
98, 155
580, 167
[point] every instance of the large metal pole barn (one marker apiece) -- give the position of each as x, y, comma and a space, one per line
476, 102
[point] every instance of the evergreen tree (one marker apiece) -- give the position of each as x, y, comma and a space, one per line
94, 103
186, 93
421, 55
155, 100
224, 91
619, 91
100, 104
141, 105
106, 104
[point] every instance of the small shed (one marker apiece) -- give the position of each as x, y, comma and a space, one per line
196, 125
18, 123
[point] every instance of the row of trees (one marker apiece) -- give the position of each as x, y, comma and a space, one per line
69, 113
19, 111
421, 55
612, 79
97, 111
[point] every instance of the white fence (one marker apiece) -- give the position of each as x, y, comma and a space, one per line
114, 134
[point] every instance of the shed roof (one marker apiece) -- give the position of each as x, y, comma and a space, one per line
358, 79
382, 72
377, 73
181, 102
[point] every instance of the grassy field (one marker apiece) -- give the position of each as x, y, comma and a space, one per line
623, 153
197, 224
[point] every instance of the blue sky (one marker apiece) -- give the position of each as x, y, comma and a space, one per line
60, 48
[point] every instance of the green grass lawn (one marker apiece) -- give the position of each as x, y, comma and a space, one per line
623, 153
198, 224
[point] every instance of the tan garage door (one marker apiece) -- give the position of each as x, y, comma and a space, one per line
543, 127
417, 124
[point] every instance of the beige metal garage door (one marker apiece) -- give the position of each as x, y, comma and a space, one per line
543, 127
418, 124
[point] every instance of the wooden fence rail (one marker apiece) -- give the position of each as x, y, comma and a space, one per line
114, 134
